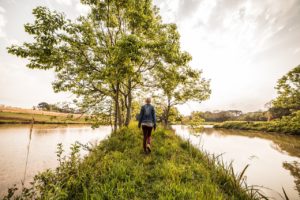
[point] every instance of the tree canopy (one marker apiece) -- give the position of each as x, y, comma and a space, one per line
288, 89
108, 56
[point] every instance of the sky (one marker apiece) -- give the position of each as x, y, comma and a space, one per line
242, 46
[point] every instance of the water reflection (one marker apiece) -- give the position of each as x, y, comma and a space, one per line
265, 153
41, 145
282, 142
27, 155
294, 168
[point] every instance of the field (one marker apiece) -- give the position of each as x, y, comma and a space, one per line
11, 115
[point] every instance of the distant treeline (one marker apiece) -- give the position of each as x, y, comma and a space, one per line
232, 115
287, 124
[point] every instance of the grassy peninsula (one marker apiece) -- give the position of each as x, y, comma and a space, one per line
118, 169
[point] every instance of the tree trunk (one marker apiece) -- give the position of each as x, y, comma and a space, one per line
116, 114
110, 115
120, 123
167, 116
117, 108
129, 103
167, 113
122, 109
118, 119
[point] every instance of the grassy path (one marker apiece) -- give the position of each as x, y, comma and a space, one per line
118, 169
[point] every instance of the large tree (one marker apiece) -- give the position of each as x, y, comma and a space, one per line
100, 57
104, 58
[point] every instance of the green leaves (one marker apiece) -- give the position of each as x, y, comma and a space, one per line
46, 22
42, 53
288, 89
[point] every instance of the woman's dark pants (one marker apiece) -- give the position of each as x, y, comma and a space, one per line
147, 136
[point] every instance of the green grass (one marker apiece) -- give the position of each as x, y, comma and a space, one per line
118, 169
287, 124
210, 123
25, 118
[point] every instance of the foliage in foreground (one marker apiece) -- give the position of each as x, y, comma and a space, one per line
287, 124
118, 169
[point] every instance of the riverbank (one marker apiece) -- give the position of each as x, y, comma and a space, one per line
28, 118
118, 169
287, 124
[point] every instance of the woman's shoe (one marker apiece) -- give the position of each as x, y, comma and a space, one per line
149, 148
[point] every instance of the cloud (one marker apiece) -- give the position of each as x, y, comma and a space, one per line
234, 40
64, 2
250, 24
2, 22
82, 9
2, 10
187, 7
168, 9
297, 50
10, 42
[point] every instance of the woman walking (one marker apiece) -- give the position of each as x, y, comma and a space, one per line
147, 120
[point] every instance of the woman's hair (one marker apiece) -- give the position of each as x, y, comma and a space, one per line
148, 100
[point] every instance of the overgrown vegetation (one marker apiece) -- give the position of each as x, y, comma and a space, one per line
118, 169
287, 124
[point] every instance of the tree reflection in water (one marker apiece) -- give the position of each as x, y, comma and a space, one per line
27, 154
294, 168
282, 142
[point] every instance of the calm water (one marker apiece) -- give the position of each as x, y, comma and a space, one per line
273, 158
14, 140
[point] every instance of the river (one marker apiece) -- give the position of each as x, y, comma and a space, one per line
274, 159
16, 144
